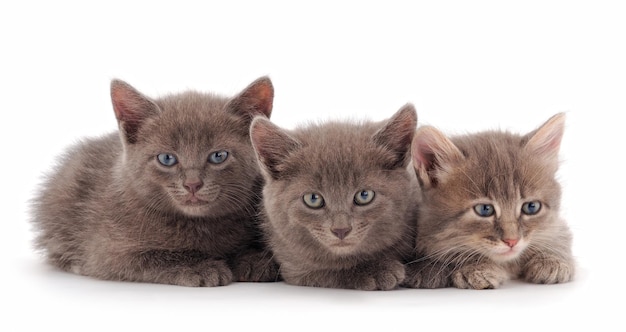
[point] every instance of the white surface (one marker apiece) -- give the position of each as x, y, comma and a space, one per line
467, 66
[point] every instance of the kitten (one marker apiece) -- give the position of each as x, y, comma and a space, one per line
339, 200
169, 199
490, 209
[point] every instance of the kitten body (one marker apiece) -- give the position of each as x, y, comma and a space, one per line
172, 198
339, 201
490, 209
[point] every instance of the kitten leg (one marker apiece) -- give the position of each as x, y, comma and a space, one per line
387, 274
255, 265
208, 273
383, 275
426, 273
184, 268
541, 269
479, 276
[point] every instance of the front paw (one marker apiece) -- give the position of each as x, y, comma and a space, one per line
258, 266
426, 274
385, 276
208, 273
479, 277
548, 271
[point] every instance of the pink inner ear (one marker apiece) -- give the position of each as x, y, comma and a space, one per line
127, 103
422, 155
547, 139
131, 108
265, 95
120, 107
261, 95
430, 147
554, 142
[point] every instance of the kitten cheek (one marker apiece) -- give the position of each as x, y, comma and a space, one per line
161, 174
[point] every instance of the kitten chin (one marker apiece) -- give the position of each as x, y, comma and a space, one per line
171, 198
490, 209
195, 208
339, 200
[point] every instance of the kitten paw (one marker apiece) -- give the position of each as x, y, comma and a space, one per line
385, 277
209, 273
426, 274
481, 277
547, 271
214, 273
257, 266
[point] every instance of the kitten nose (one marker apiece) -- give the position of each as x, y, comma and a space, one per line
341, 232
510, 242
194, 186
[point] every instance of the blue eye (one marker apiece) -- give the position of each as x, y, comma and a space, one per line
167, 159
218, 157
531, 208
484, 210
313, 200
364, 197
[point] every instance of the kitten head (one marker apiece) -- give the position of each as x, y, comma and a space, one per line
190, 153
337, 188
491, 193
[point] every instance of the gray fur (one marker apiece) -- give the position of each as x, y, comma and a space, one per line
110, 210
338, 160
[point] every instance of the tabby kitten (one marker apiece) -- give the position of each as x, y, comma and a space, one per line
169, 199
490, 209
339, 200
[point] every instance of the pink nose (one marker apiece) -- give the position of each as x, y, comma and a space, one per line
193, 187
510, 242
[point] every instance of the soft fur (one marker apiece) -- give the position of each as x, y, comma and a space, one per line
458, 247
341, 244
111, 210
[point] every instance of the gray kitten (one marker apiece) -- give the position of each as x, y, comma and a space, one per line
172, 198
490, 209
339, 200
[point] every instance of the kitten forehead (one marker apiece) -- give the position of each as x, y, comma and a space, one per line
195, 119
495, 165
190, 105
338, 153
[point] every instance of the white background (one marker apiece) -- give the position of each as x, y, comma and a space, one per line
467, 66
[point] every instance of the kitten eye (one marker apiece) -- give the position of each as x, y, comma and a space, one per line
167, 159
218, 157
313, 200
484, 210
531, 208
364, 197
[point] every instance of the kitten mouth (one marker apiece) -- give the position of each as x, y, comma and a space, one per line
192, 200
195, 203
342, 244
509, 254
342, 247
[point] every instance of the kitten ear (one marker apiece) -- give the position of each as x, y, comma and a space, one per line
431, 153
131, 109
272, 145
256, 99
545, 141
396, 136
